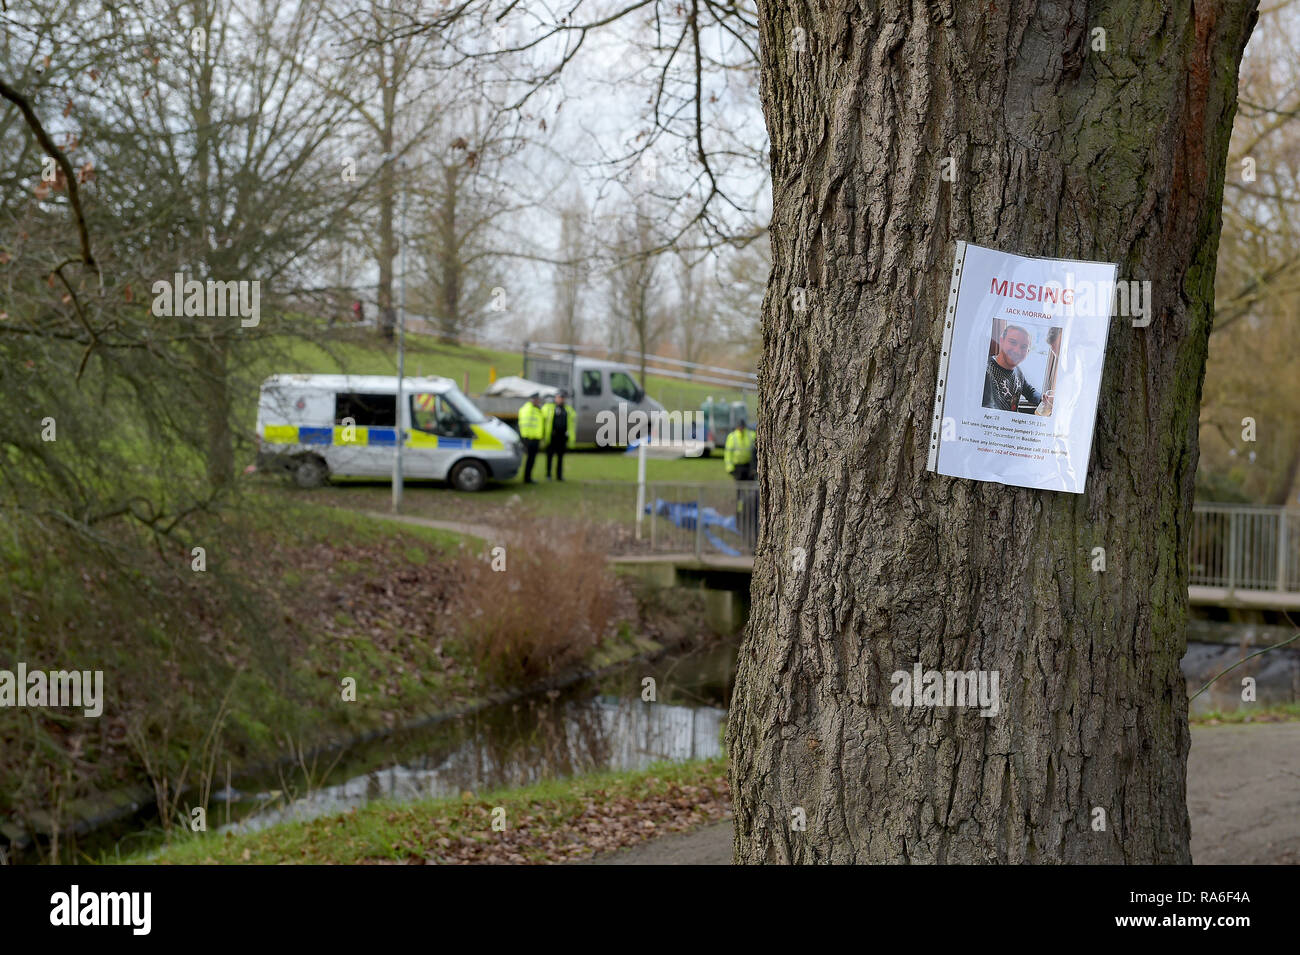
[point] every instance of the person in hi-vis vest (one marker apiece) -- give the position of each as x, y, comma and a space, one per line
738, 456
530, 429
559, 433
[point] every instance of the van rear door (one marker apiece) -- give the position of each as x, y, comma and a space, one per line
283, 410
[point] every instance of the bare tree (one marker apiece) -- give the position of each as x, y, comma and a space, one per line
571, 272
393, 99
741, 279
464, 198
204, 150
1250, 441
697, 62
636, 313
693, 319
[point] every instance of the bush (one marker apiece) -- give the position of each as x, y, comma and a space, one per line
546, 610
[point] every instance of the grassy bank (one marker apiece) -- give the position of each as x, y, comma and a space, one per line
609, 503
306, 624
1252, 713
554, 821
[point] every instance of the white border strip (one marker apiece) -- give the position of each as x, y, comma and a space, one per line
949, 317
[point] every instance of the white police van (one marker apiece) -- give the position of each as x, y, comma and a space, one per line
315, 426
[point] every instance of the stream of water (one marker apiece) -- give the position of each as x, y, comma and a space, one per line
606, 723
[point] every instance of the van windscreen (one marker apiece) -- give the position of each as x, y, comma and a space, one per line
469, 411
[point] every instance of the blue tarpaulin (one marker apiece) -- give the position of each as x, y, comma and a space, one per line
683, 514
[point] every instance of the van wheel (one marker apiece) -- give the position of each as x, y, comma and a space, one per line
469, 476
310, 472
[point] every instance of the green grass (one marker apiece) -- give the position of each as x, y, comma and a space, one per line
590, 465
597, 485
359, 527
1272, 713
388, 831
356, 355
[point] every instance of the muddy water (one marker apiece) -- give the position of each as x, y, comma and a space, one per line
601, 724
1275, 674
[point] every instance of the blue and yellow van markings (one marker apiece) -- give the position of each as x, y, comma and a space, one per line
363, 436
484, 440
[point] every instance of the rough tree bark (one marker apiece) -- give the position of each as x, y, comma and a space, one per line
1059, 150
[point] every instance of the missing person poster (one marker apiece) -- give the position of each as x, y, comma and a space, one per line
1023, 347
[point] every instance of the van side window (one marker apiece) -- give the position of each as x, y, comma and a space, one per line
623, 386
433, 414
591, 382
379, 411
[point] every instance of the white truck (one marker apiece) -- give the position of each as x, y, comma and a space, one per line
593, 386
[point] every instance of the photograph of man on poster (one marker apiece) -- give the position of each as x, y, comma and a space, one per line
1007, 385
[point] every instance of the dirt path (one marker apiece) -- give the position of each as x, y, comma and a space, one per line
1243, 796
484, 531
1243, 793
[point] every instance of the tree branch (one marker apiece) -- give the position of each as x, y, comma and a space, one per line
55, 153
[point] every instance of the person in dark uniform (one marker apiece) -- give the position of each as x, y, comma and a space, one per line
559, 432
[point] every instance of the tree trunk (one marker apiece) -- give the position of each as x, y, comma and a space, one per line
213, 357
1281, 493
387, 240
1062, 150
216, 406
449, 255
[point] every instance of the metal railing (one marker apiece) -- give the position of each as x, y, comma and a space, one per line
1245, 547
729, 512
